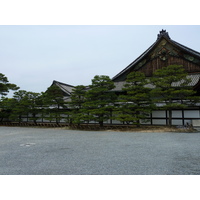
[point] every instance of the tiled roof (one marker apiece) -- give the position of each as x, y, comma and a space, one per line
194, 80
163, 34
119, 85
64, 87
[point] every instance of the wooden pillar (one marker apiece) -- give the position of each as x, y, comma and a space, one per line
166, 117
183, 117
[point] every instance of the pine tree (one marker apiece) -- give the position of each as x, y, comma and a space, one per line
20, 106
171, 89
6, 108
23, 104
32, 104
5, 86
99, 100
136, 104
53, 100
76, 104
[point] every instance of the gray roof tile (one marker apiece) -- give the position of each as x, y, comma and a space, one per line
64, 87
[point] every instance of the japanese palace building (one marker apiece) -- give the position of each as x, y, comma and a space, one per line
162, 53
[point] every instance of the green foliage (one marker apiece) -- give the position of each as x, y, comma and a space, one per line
169, 89
172, 89
99, 100
54, 96
171, 83
19, 106
136, 104
6, 106
76, 104
23, 104
5, 86
32, 100
53, 101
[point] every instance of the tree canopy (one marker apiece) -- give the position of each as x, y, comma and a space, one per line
53, 102
5, 86
168, 89
76, 104
99, 99
171, 89
136, 104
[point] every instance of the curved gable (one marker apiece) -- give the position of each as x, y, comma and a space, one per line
160, 54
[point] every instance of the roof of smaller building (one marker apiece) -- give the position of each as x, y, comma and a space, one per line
66, 88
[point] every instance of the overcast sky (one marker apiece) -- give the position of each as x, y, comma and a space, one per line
33, 56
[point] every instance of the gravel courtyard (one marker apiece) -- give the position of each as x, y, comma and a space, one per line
41, 151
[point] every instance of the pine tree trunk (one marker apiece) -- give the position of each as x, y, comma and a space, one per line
101, 123
138, 123
34, 120
138, 120
170, 118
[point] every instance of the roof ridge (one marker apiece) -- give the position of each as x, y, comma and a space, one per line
64, 87
140, 57
163, 34
54, 81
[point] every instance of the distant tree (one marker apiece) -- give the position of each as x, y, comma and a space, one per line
136, 104
44, 107
32, 101
99, 100
76, 104
53, 100
5, 86
6, 106
20, 105
172, 89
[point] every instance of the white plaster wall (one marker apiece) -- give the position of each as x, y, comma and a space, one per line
177, 122
191, 113
177, 113
160, 113
196, 122
159, 122
116, 122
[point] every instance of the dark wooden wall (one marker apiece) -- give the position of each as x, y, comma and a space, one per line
157, 63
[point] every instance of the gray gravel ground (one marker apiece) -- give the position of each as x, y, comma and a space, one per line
32, 151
